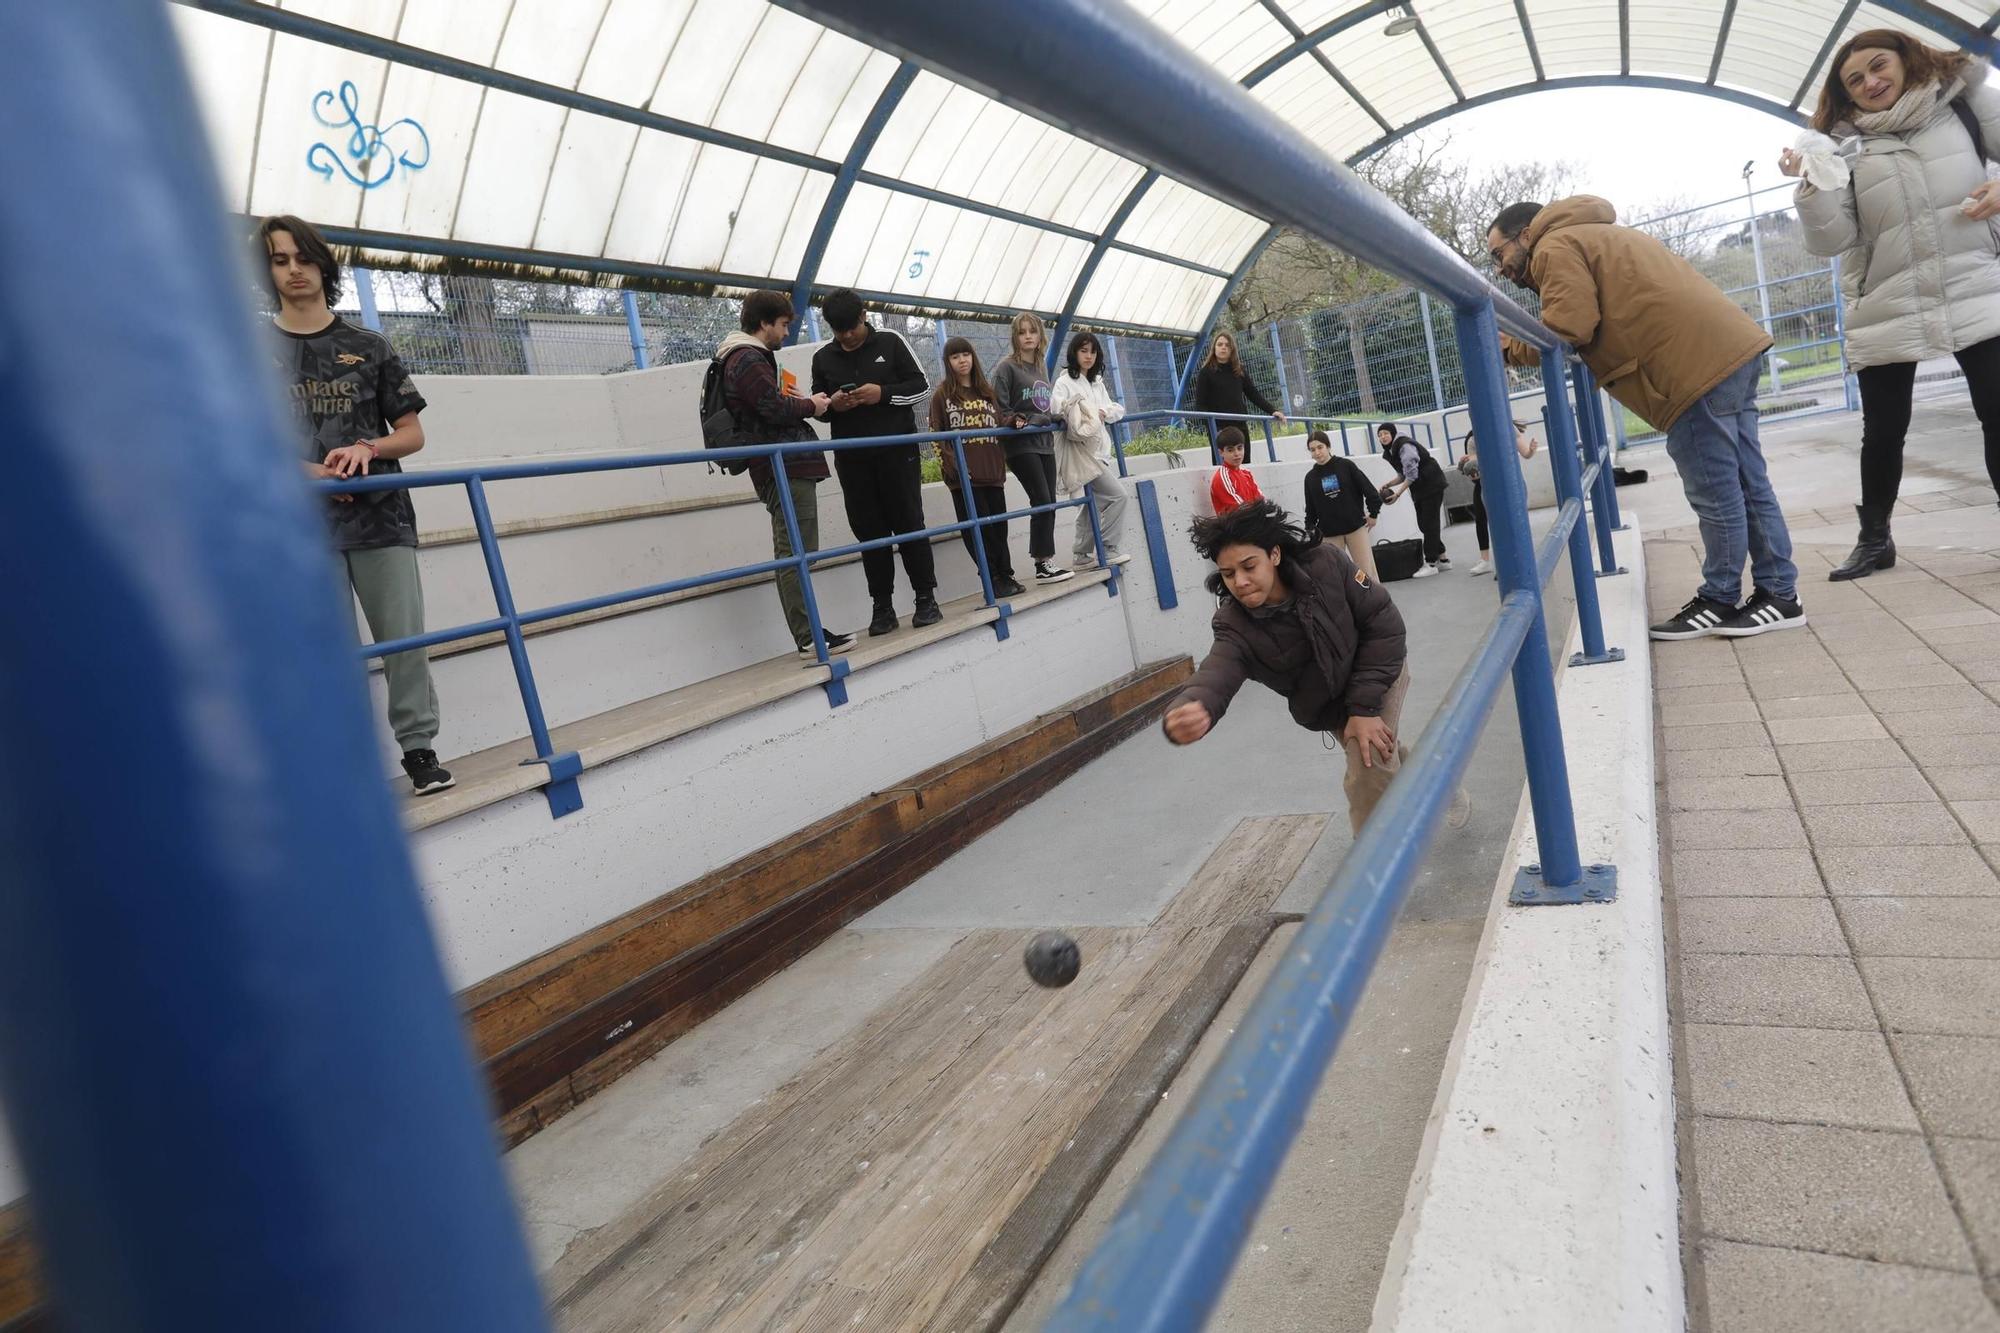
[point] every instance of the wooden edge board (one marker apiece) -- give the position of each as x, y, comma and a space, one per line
1013, 1259
21, 1292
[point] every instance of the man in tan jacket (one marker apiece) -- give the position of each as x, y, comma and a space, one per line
1666, 342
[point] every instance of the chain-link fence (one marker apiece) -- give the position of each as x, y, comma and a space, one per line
1389, 356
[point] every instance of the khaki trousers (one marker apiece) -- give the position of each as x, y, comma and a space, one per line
1360, 548
1365, 784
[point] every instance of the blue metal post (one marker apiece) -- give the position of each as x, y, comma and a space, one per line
633, 329
238, 1084
836, 688
1278, 358
1111, 367
1568, 471
1850, 392
978, 535
364, 292
1514, 566
1431, 350
564, 797
1270, 441
1590, 407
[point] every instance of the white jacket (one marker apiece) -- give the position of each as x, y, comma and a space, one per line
1919, 278
1087, 410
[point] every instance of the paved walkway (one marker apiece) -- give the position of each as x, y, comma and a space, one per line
1831, 805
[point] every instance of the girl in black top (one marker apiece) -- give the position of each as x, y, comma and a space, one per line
1420, 475
1341, 503
1222, 384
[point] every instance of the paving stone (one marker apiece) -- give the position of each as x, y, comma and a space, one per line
1760, 926
1954, 1081
1736, 761
1719, 671
1774, 664
1980, 671
1774, 991
1982, 818
1972, 1166
1864, 1193
1987, 634
1708, 830
1730, 793
1907, 872
1944, 995
1803, 1075
1965, 615
1818, 730
1889, 676
1717, 736
1827, 680
1699, 714
1765, 1289
1900, 825
1983, 720
1953, 751
1925, 697
1849, 704
1923, 927
1863, 786
1730, 692
1763, 873
1971, 783
1822, 757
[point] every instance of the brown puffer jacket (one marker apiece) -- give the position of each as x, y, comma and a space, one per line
1334, 656
1655, 332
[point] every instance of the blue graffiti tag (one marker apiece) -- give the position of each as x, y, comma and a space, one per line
368, 145
917, 258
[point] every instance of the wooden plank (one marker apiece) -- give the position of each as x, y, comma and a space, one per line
1008, 1266
21, 1288
909, 1165
576, 1054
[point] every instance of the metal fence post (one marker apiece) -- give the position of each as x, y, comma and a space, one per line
971, 504
1561, 876
1431, 350
364, 292
1850, 391
239, 1087
1270, 441
1284, 384
1590, 410
1112, 369
632, 327
1568, 471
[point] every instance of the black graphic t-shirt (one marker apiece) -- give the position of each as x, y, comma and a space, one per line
346, 386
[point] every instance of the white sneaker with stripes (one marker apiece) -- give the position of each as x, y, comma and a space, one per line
1763, 613
1699, 619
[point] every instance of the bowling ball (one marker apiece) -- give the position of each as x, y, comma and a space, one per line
1053, 959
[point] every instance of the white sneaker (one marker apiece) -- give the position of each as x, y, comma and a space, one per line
1117, 558
1426, 572
1444, 562
1483, 567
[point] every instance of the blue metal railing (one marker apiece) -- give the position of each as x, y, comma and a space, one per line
563, 767
1121, 431
1166, 1256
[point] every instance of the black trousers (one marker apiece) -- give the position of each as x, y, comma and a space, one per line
1037, 474
1430, 519
882, 490
1885, 418
991, 500
1479, 517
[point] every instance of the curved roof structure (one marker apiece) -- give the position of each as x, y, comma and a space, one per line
735, 143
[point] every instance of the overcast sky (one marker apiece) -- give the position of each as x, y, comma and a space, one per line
1634, 146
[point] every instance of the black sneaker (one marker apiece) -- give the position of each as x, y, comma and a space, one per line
1009, 588
885, 620
927, 612
426, 776
1047, 571
1763, 613
836, 644
1699, 619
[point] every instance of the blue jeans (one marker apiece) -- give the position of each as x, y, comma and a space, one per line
1714, 444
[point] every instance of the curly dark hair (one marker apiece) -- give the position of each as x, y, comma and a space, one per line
1260, 524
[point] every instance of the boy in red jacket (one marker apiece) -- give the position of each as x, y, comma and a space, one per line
1232, 484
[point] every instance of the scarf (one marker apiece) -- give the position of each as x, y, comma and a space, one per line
1916, 108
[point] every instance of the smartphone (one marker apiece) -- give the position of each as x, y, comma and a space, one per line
849, 388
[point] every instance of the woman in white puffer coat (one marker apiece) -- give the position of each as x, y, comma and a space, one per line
1084, 462
1920, 254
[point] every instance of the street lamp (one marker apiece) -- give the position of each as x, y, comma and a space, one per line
1757, 252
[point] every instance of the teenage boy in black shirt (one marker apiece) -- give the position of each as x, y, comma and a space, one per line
356, 413
875, 384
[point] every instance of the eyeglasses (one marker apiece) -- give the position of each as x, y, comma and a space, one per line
1499, 253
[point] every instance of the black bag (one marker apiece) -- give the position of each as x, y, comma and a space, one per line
1399, 560
1970, 119
718, 424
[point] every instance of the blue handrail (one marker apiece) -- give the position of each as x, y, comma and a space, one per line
1121, 430
563, 766
1164, 1261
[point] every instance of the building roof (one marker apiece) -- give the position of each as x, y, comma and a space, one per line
735, 143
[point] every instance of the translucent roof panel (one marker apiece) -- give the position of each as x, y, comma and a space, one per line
701, 140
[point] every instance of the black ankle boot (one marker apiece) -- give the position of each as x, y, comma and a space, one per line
885, 620
927, 609
1875, 550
